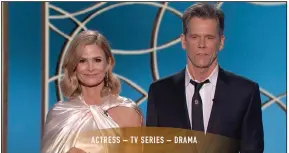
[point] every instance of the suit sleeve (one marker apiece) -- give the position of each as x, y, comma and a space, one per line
151, 117
252, 136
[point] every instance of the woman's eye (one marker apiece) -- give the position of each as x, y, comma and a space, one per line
98, 60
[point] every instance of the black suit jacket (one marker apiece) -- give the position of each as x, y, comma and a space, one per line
236, 111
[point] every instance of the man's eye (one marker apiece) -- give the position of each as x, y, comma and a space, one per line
210, 37
98, 60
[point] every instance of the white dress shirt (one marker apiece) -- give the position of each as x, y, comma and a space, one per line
207, 93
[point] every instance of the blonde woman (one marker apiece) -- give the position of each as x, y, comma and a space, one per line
93, 97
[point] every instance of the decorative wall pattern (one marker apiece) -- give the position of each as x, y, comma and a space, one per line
144, 37
145, 40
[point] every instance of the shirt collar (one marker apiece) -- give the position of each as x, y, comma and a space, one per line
212, 77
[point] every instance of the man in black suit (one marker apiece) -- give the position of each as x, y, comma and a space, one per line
203, 96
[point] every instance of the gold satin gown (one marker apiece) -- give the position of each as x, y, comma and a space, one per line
66, 121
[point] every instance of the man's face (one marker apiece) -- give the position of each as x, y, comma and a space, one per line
202, 42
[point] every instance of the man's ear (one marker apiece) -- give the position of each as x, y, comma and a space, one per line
222, 42
183, 41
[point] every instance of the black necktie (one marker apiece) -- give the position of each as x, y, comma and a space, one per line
197, 107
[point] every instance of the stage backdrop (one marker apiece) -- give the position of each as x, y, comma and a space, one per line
145, 40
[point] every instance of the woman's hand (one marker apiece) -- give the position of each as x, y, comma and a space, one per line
75, 150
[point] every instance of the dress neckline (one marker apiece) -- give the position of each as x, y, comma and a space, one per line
102, 103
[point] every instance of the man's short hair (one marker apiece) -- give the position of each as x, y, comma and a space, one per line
205, 11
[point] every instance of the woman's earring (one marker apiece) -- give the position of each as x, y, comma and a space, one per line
106, 80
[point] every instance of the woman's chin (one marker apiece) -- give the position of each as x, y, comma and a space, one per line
91, 84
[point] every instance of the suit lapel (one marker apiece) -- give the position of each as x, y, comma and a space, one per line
180, 94
221, 94
181, 103
219, 98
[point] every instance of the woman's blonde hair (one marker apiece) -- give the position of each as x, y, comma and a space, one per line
70, 86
